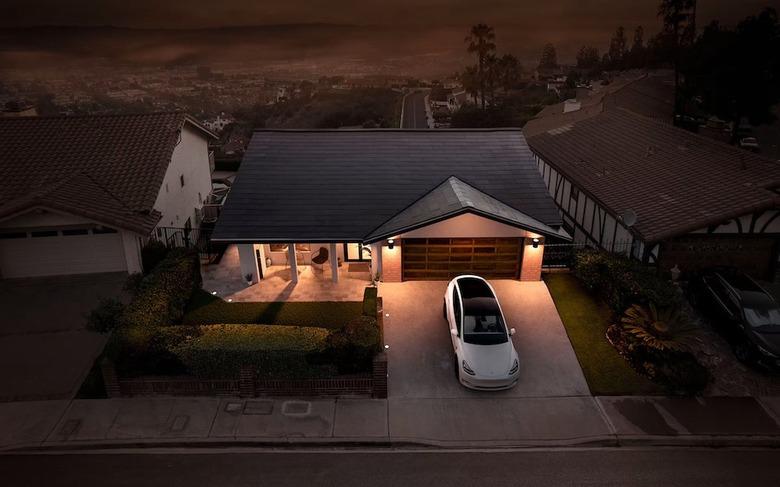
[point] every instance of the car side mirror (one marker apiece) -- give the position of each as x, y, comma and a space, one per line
453, 332
512, 331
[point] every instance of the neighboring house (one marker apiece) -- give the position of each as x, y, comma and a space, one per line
630, 182
219, 123
82, 194
440, 98
417, 204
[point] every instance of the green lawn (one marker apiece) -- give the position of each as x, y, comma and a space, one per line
205, 309
586, 321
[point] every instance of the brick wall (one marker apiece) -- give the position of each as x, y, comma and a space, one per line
391, 263
531, 269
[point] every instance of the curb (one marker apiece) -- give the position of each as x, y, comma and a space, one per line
607, 441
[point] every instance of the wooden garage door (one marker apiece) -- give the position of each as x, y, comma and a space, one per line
445, 258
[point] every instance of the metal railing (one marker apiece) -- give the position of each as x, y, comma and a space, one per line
190, 238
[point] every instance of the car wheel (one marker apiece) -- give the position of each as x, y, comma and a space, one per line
456, 366
742, 351
444, 310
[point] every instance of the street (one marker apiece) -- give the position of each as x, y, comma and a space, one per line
414, 111
625, 466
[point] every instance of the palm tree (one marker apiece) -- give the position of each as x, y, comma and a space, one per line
663, 329
469, 78
480, 41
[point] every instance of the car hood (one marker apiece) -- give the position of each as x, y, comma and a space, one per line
490, 360
768, 340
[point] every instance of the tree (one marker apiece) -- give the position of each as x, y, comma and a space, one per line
510, 71
617, 48
588, 57
469, 78
549, 57
637, 56
679, 19
736, 72
480, 42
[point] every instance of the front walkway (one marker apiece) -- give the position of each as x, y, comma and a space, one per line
225, 278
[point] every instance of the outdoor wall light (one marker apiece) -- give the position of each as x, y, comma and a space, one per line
535, 241
390, 243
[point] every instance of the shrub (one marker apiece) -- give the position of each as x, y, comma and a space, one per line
352, 347
152, 254
219, 351
664, 329
621, 281
162, 296
105, 317
369, 301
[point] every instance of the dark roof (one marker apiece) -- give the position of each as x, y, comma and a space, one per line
675, 181
335, 185
108, 168
454, 197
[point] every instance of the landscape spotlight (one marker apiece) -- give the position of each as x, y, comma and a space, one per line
390, 243
535, 241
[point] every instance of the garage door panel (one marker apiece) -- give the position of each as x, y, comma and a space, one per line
57, 255
447, 258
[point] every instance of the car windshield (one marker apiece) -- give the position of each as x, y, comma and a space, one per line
763, 317
482, 322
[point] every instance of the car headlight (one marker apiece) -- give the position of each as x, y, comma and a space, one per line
515, 367
467, 369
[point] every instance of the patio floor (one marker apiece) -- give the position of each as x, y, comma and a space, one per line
225, 278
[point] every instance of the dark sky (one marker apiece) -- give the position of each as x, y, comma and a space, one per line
556, 15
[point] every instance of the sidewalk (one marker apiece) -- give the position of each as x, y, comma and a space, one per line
457, 423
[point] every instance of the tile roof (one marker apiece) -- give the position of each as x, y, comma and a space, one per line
454, 197
675, 181
336, 185
108, 167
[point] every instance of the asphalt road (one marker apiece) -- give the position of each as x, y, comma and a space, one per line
592, 467
414, 111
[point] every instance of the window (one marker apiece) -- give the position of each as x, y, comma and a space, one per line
44, 233
101, 230
575, 194
13, 235
75, 231
181, 180
166, 187
456, 308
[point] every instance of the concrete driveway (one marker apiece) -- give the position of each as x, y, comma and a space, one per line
420, 353
45, 352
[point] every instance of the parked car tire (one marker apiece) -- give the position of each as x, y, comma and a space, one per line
444, 310
456, 366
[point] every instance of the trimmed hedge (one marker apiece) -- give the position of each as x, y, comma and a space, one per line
205, 309
143, 338
219, 351
369, 301
621, 281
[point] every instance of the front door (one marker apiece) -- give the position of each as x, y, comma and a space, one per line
356, 252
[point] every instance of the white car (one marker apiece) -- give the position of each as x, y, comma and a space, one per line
485, 357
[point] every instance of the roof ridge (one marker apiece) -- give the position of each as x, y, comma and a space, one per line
390, 130
99, 115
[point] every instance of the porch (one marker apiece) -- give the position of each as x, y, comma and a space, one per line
314, 283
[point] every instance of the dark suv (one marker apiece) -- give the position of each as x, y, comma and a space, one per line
744, 312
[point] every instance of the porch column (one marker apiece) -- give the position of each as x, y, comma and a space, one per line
334, 263
248, 262
291, 258
376, 259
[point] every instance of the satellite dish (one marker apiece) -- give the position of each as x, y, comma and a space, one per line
628, 218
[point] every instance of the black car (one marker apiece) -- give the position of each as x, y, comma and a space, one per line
743, 311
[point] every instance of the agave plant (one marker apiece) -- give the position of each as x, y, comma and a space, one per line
661, 329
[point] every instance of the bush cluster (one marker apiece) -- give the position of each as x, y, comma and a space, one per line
352, 347
143, 337
219, 351
369, 301
621, 281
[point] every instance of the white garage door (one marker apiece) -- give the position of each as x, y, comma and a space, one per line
51, 252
